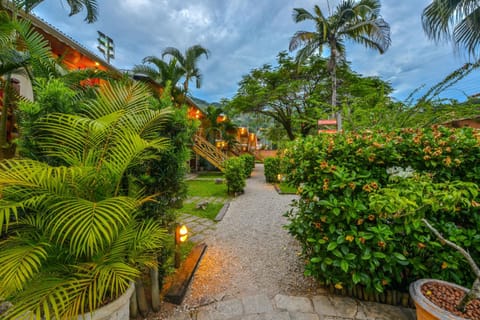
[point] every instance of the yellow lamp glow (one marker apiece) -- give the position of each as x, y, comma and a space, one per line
181, 234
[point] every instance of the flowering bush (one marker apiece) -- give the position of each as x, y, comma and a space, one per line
347, 220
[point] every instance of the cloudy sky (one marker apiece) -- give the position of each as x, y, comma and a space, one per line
245, 34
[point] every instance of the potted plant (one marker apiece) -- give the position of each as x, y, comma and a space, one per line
414, 197
71, 240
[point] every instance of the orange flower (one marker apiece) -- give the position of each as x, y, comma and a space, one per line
384, 282
359, 222
447, 161
367, 188
349, 238
421, 245
426, 158
374, 185
444, 265
371, 158
371, 217
352, 185
362, 240
338, 286
475, 204
317, 225
381, 244
323, 164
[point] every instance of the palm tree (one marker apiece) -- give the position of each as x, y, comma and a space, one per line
160, 71
357, 21
188, 62
75, 7
71, 236
457, 21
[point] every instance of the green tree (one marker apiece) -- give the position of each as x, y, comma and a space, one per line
188, 62
358, 21
76, 6
293, 95
160, 71
457, 21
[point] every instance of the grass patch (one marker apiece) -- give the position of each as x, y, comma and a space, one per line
206, 188
210, 174
285, 188
209, 213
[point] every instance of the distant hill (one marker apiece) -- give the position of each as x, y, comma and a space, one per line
202, 104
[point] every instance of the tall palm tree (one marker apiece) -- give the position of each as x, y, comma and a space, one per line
358, 21
454, 20
75, 7
188, 62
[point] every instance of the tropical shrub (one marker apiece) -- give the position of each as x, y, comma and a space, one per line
72, 237
249, 161
272, 169
235, 174
350, 238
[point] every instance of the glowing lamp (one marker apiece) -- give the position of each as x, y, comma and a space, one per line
181, 234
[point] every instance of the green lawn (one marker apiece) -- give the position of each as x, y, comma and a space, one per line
284, 188
202, 190
210, 211
206, 188
210, 174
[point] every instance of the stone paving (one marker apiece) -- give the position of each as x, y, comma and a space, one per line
198, 228
282, 307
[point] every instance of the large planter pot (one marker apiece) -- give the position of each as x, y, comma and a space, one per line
427, 310
118, 309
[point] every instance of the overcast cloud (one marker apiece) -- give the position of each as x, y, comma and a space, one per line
245, 34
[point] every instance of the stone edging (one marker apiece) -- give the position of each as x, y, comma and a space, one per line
222, 211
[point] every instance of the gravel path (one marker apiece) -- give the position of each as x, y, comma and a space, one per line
250, 252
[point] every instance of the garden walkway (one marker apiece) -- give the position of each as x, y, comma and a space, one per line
252, 269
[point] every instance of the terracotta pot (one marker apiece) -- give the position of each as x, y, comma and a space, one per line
427, 310
119, 309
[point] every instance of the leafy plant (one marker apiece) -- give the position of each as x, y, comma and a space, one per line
413, 198
249, 161
235, 175
71, 237
271, 169
345, 241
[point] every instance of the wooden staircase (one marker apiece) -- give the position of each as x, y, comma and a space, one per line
209, 152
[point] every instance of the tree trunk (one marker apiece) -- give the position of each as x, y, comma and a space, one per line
141, 298
332, 66
4, 117
155, 289
474, 293
133, 305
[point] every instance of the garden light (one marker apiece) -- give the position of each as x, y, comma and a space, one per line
181, 234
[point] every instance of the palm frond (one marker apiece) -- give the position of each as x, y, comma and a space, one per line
300, 14
88, 226
175, 53
21, 260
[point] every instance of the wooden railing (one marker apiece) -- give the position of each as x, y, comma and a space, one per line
209, 152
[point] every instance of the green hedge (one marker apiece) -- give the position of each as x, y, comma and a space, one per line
249, 161
350, 217
235, 174
272, 169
